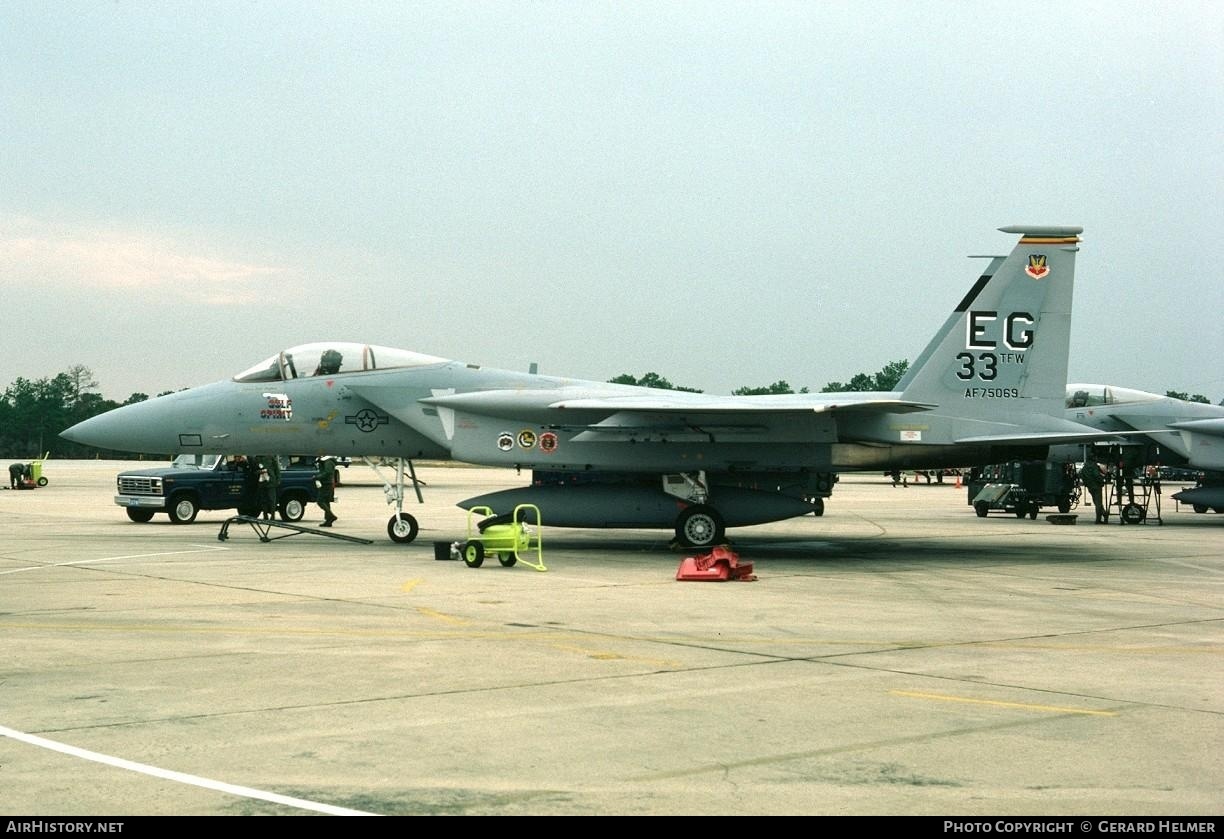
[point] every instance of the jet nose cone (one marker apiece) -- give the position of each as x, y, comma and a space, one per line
105, 431
189, 419
79, 433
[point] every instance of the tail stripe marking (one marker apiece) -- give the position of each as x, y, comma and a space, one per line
973, 292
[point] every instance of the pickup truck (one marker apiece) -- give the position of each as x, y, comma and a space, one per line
208, 482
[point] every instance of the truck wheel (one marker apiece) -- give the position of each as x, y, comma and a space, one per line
183, 509
42, 482
1200, 508
139, 514
1064, 505
402, 528
818, 506
507, 559
981, 509
293, 507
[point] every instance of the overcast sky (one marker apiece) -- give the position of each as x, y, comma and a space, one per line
726, 194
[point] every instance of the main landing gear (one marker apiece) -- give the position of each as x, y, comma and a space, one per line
700, 526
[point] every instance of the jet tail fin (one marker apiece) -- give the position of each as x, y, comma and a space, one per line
1002, 354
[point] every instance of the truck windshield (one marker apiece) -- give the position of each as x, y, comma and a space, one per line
196, 461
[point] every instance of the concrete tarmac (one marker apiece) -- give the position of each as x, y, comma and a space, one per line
898, 655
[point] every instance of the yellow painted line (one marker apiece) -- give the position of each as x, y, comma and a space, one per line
410, 585
294, 632
1211, 649
442, 616
606, 655
1055, 709
782, 643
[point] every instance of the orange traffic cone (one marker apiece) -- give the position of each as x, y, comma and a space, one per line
958, 483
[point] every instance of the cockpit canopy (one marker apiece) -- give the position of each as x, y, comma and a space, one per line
330, 358
1090, 396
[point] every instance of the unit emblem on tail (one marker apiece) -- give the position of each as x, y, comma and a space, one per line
1037, 268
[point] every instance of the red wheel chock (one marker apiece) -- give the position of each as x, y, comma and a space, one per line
719, 565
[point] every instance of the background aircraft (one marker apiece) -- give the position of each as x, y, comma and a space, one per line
1175, 433
990, 386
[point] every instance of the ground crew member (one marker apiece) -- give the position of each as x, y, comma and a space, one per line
1094, 477
325, 483
18, 472
267, 469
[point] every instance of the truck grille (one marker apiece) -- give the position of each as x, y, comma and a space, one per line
135, 485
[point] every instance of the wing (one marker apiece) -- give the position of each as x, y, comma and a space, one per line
512, 402
677, 415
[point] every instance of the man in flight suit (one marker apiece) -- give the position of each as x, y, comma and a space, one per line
325, 483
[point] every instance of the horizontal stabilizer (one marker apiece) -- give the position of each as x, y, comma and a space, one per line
1044, 438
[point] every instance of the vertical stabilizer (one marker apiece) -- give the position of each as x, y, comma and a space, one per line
1002, 354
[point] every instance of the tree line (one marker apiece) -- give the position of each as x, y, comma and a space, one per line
884, 380
33, 413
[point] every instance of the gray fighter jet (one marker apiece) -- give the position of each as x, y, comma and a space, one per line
1174, 432
989, 387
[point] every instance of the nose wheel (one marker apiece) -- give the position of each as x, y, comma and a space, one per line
402, 528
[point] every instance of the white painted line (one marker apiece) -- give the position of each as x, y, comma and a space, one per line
109, 559
180, 777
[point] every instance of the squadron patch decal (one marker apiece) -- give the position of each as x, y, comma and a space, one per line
527, 439
505, 441
548, 442
1037, 268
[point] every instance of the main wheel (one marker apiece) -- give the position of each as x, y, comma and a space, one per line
140, 515
402, 528
981, 509
293, 508
818, 506
1021, 512
1200, 508
183, 509
1033, 511
699, 526
1064, 505
473, 553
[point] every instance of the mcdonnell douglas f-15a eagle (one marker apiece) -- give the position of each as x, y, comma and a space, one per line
1173, 432
988, 387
